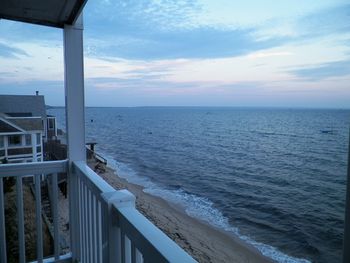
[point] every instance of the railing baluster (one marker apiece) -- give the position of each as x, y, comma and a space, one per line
133, 252
139, 257
80, 218
127, 249
99, 232
91, 229
38, 220
106, 248
20, 220
76, 217
94, 226
88, 201
55, 215
3, 257
122, 245
119, 244
86, 223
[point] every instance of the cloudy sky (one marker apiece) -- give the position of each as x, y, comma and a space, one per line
191, 53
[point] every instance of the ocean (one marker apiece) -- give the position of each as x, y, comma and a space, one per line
274, 177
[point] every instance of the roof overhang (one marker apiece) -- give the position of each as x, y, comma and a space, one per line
54, 13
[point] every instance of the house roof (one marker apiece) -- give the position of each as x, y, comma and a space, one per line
55, 13
31, 124
11, 125
6, 127
23, 105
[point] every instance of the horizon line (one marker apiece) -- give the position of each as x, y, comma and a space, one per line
225, 106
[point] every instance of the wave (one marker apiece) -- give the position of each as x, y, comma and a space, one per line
197, 207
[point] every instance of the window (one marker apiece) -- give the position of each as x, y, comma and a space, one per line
38, 138
51, 124
14, 140
28, 139
1, 141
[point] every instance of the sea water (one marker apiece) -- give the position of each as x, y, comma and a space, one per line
274, 177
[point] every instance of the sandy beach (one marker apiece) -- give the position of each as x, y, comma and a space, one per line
203, 242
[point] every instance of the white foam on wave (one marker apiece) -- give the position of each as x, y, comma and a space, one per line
203, 209
199, 208
126, 172
195, 206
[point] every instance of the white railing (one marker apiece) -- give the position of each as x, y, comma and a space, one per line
36, 170
104, 223
112, 230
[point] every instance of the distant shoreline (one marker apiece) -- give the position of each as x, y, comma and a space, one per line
217, 107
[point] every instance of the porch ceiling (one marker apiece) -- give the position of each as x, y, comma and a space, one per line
53, 13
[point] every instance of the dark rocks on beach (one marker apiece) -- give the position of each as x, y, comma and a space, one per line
100, 168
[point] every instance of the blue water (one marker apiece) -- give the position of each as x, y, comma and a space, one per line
275, 177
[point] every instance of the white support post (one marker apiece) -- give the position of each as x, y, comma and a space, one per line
75, 123
74, 90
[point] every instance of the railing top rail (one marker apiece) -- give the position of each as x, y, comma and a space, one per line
148, 235
22, 169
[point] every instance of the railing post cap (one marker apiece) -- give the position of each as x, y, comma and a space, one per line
120, 198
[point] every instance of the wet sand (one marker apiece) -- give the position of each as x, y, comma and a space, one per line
203, 242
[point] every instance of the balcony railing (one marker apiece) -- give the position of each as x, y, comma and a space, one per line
104, 222
34, 170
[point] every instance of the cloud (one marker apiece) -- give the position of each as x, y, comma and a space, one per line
136, 92
137, 14
323, 71
155, 85
18, 32
325, 22
151, 30
30, 84
268, 54
6, 74
11, 52
195, 43
163, 30
334, 20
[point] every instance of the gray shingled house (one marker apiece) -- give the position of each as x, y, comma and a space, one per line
24, 126
21, 139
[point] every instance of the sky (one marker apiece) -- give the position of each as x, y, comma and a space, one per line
257, 53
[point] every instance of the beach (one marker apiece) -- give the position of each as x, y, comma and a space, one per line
201, 241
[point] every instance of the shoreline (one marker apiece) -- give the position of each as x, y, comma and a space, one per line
203, 242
